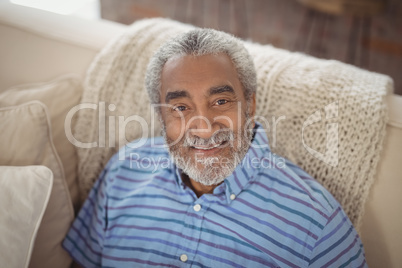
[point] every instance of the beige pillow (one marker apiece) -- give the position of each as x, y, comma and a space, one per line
59, 96
26, 139
24, 194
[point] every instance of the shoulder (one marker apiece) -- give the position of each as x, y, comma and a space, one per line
302, 182
138, 162
304, 199
316, 190
152, 149
332, 238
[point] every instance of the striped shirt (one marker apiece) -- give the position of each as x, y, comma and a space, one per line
267, 213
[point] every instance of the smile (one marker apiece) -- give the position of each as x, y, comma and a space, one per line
206, 148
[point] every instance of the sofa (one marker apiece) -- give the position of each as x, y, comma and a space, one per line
47, 55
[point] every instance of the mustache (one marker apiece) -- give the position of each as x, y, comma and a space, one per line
218, 137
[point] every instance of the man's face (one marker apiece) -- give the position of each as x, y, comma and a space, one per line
205, 116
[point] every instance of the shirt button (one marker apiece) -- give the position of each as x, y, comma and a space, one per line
232, 197
183, 257
197, 207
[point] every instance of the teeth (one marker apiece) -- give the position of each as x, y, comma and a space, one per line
207, 148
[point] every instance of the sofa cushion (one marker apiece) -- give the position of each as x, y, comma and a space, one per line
26, 140
24, 195
59, 95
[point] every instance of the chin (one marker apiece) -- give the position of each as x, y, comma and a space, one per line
208, 170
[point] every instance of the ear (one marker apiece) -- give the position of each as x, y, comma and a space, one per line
253, 107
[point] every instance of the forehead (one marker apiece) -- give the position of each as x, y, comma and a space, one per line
198, 73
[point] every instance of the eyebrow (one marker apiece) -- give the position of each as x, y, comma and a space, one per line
221, 89
184, 94
176, 95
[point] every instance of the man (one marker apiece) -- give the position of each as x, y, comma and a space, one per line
225, 200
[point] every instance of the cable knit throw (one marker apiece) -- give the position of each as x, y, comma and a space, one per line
326, 116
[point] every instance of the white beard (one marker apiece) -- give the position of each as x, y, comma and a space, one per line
210, 170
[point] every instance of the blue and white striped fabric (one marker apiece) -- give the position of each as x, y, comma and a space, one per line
268, 213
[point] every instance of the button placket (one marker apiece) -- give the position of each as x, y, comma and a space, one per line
193, 221
183, 257
197, 207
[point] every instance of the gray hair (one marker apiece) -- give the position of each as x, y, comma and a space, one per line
200, 42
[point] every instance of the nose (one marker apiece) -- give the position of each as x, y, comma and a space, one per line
202, 124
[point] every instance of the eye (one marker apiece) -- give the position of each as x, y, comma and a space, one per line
179, 108
221, 102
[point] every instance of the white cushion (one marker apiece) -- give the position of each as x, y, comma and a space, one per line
26, 139
24, 195
59, 95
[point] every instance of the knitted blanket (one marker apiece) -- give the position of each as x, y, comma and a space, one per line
325, 116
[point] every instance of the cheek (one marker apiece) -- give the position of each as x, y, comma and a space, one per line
172, 125
174, 128
233, 120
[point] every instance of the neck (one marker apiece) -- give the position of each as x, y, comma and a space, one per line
198, 188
